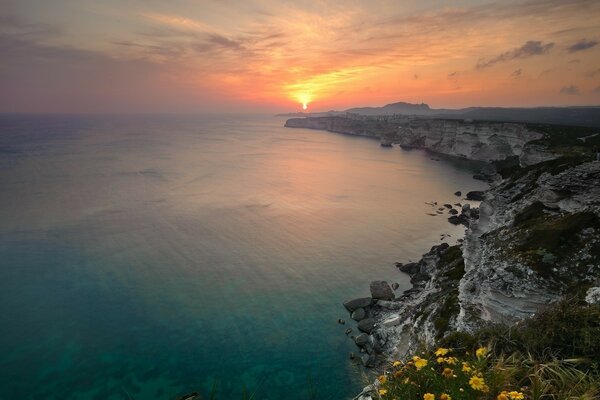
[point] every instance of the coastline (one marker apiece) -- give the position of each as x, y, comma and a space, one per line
532, 240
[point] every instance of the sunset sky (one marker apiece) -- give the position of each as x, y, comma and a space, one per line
267, 55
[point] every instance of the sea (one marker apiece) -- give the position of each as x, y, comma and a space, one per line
151, 256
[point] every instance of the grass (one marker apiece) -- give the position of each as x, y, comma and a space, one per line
569, 329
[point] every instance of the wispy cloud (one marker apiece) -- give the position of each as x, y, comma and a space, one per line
529, 49
581, 45
570, 90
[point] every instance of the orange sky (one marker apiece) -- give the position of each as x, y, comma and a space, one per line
267, 55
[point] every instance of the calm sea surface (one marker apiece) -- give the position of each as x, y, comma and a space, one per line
147, 257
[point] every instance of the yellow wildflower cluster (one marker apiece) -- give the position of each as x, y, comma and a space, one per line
440, 376
442, 351
419, 362
514, 395
478, 383
481, 352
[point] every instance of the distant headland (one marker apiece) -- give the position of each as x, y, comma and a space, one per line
578, 116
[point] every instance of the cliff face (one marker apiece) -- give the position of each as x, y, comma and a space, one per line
481, 141
536, 239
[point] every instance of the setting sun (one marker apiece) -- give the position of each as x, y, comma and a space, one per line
304, 106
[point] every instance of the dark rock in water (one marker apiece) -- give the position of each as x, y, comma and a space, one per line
398, 264
366, 325
352, 305
359, 314
455, 220
440, 249
410, 268
348, 331
341, 321
361, 340
458, 193
395, 286
190, 396
381, 290
352, 356
458, 204
368, 360
453, 211
475, 195
448, 206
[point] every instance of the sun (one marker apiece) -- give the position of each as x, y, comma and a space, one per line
304, 106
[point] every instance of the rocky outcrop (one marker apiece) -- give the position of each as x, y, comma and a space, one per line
481, 141
534, 238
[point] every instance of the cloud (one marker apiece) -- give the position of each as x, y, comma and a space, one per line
529, 49
516, 73
570, 90
581, 45
593, 73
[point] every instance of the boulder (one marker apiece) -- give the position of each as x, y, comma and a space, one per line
455, 220
352, 305
381, 290
348, 331
458, 193
448, 206
366, 325
475, 195
466, 207
395, 286
361, 340
453, 211
359, 314
341, 321
368, 360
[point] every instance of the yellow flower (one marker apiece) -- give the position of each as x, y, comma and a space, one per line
447, 372
441, 351
397, 363
451, 360
419, 362
428, 396
382, 392
445, 396
502, 396
440, 360
382, 379
516, 395
481, 352
466, 367
477, 383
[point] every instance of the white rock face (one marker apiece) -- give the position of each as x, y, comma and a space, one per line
501, 289
497, 284
481, 141
472, 140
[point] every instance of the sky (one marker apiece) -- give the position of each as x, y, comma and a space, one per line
194, 56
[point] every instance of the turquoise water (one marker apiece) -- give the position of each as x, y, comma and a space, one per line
147, 257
